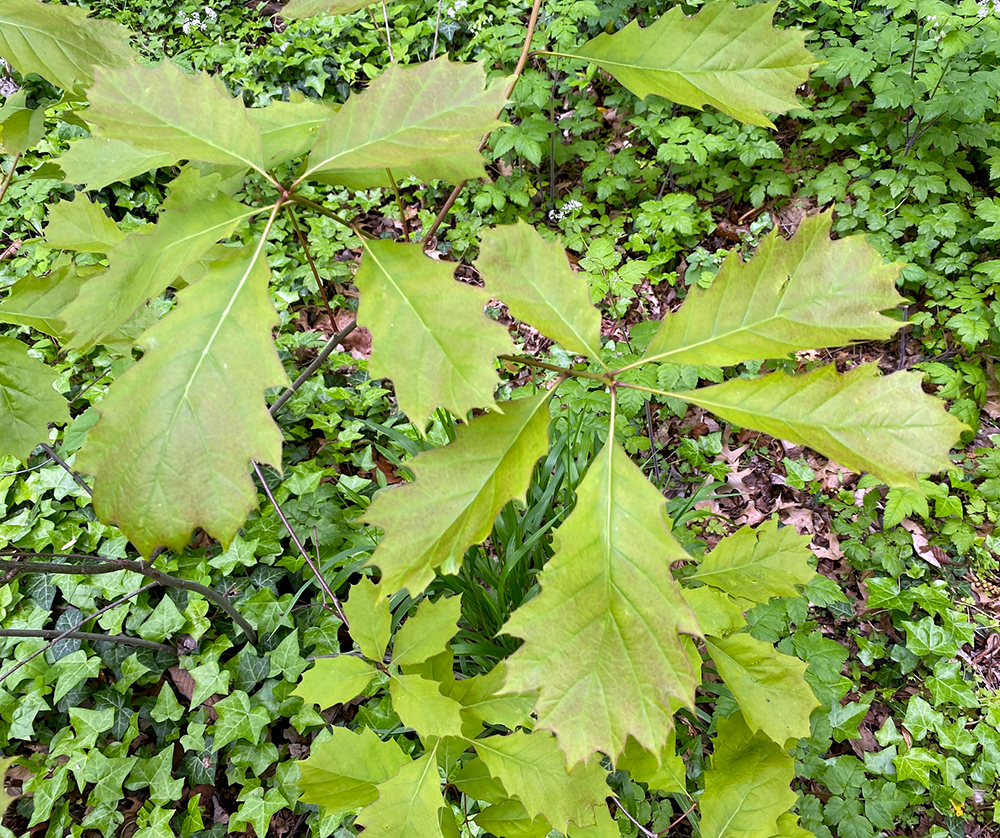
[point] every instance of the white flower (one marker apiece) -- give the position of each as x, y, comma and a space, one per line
571, 206
8, 87
210, 14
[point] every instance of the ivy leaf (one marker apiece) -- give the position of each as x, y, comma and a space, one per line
238, 719
456, 494
60, 43
298, 9
427, 632
533, 768
193, 218
611, 661
900, 503
343, 772
97, 162
802, 293
367, 612
883, 424
196, 398
165, 109
758, 564
408, 804
728, 57
287, 129
421, 706
334, 681
769, 686
425, 119
28, 401
256, 810
534, 279
663, 771
422, 319
747, 789
82, 226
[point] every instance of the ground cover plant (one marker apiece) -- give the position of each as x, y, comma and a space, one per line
624, 676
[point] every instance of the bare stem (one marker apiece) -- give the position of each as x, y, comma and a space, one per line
326, 352
647, 832
76, 477
305, 202
90, 636
9, 176
565, 371
312, 265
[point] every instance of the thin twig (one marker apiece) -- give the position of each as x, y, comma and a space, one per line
89, 636
388, 36
437, 28
327, 351
312, 265
76, 477
565, 371
652, 443
10, 176
678, 819
647, 832
305, 554
305, 202
521, 61
77, 627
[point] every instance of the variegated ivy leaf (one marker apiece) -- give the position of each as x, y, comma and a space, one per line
167, 110
729, 57
423, 119
60, 43
456, 494
28, 401
177, 431
867, 422
429, 332
602, 641
804, 293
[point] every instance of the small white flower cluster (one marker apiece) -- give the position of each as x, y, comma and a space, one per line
987, 6
479, 24
457, 7
559, 214
195, 21
8, 87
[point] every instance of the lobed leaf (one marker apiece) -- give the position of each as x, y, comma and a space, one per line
421, 706
82, 226
408, 804
428, 632
422, 320
663, 771
456, 494
167, 110
334, 681
60, 43
883, 424
424, 119
28, 401
96, 162
601, 640
287, 129
729, 57
39, 301
369, 618
747, 789
534, 279
21, 127
177, 432
758, 564
298, 9
802, 293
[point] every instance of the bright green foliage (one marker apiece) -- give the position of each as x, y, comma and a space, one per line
27, 400
757, 564
663, 771
425, 120
308, 8
457, 492
602, 643
801, 293
61, 44
533, 277
867, 422
408, 804
421, 706
724, 56
368, 615
762, 682
335, 681
428, 632
746, 791
21, 127
420, 317
197, 398
167, 110
81, 225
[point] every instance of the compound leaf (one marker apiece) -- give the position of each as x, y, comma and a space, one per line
334, 681
193, 218
534, 279
803, 293
427, 632
172, 448
769, 686
533, 768
96, 162
408, 804
883, 424
728, 57
430, 334
368, 615
167, 110
82, 226
456, 494
343, 772
60, 43
601, 640
758, 564
27, 400
425, 119
747, 789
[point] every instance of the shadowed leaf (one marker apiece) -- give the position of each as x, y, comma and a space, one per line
97, 162
27, 400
